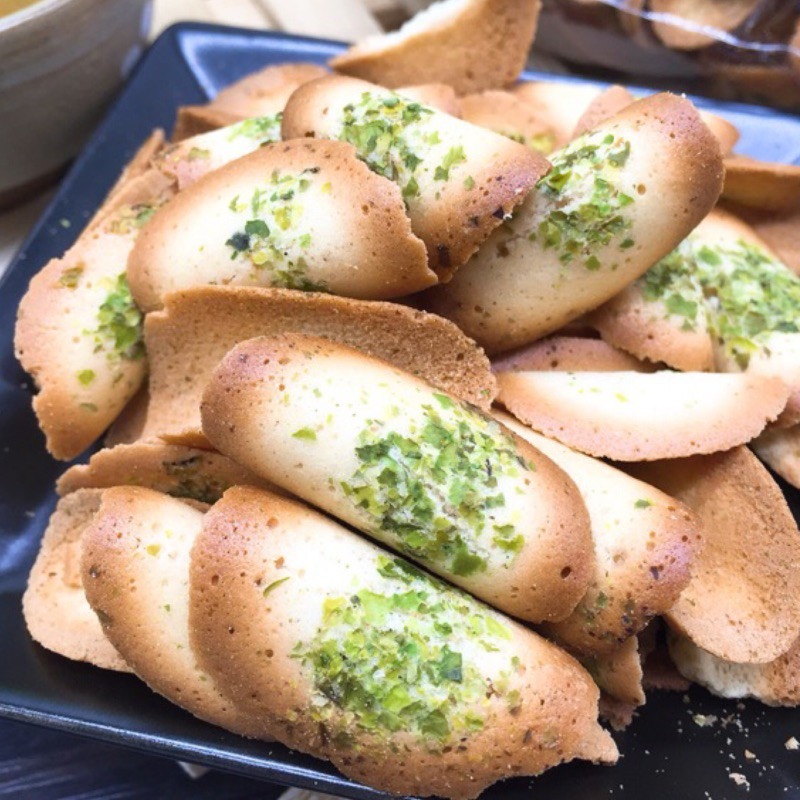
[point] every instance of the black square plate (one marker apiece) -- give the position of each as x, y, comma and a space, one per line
666, 753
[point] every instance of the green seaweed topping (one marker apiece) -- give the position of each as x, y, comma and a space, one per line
269, 237
585, 205
70, 277
308, 434
395, 655
674, 281
437, 490
387, 136
133, 218
85, 376
262, 129
455, 155
541, 142
743, 294
119, 323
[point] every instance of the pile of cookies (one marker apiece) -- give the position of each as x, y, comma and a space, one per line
426, 399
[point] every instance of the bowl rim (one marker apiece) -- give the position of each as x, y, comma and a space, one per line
16, 19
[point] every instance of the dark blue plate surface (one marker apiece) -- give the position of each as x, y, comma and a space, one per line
666, 754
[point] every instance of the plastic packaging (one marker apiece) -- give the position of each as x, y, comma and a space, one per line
733, 49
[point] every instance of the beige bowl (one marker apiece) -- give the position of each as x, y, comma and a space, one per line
61, 61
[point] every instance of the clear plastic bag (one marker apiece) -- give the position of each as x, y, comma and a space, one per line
734, 49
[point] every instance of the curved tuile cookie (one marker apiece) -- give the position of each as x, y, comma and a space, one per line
721, 300
634, 416
135, 569
595, 223
296, 215
129, 425
691, 25
196, 120
471, 45
616, 98
189, 160
569, 354
754, 300
776, 683
265, 92
780, 232
199, 326
619, 674
182, 472
558, 104
416, 469
138, 166
604, 106
292, 613
458, 181
440, 96
54, 605
742, 601
504, 113
258, 94
78, 330
761, 185
660, 317
780, 450
644, 545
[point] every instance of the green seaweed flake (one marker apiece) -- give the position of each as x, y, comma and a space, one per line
584, 202
119, 323
743, 294
269, 236
386, 134
438, 490
262, 129
394, 656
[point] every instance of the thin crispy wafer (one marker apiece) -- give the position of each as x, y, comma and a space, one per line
304, 215
558, 104
634, 416
691, 25
190, 159
266, 91
606, 105
440, 96
196, 120
615, 98
198, 326
420, 471
569, 354
506, 114
780, 449
742, 602
781, 232
644, 544
78, 330
459, 181
259, 94
619, 674
136, 167
471, 45
135, 569
720, 300
761, 185
595, 223
128, 426
273, 586
54, 605
182, 472
776, 683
